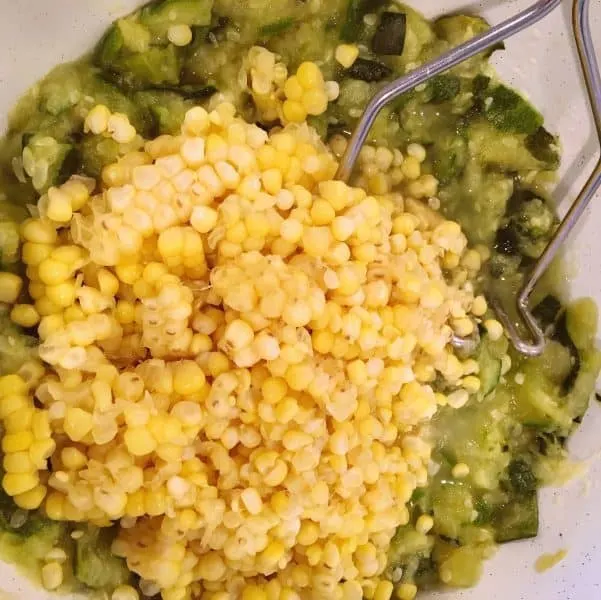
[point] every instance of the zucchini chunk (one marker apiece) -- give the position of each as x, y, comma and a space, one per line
94, 564
389, 38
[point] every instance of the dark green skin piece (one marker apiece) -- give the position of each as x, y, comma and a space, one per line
544, 146
443, 88
368, 70
389, 38
521, 477
547, 311
509, 112
562, 336
188, 92
276, 27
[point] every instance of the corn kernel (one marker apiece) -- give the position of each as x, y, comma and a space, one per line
406, 591
19, 483
31, 499
10, 287
52, 575
78, 423
24, 315
179, 35
346, 54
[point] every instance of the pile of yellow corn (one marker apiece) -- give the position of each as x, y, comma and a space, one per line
238, 356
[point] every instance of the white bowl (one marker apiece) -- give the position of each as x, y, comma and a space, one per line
542, 62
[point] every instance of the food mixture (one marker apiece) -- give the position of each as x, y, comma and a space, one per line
226, 374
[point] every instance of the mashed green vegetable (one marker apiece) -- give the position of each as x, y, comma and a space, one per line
485, 144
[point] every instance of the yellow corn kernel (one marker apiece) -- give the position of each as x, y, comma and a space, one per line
346, 54
293, 89
424, 524
17, 442
32, 499
78, 189
460, 471
494, 329
78, 423
108, 284
38, 231
125, 312
73, 459
40, 451
179, 35
253, 592
46, 307
19, 483
59, 206
13, 403
135, 504
129, 273
188, 378
18, 462
309, 75
10, 287
139, 441
33, 254
315, 102
24, 315
19, 420
125, 592
61, 295
53, 272
406, 591
40, 425
52, 575
383, 590
294, 111
54, 506
272, 180
50, 324
155, 502
97, 119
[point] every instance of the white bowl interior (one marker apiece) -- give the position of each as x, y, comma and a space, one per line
541, 62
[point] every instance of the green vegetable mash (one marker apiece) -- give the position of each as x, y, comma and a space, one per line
485, 144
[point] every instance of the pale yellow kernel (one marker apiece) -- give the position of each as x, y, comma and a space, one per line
52, 575
494, 329
460, 471
59, 206
406, 591
471, 383
78, 423
315, 101
179, 35
293, 89
24, 315
346, 54
97, 120
424, 524
294, 111
10, 287
32, 499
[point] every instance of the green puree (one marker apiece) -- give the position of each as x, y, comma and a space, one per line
485, 144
